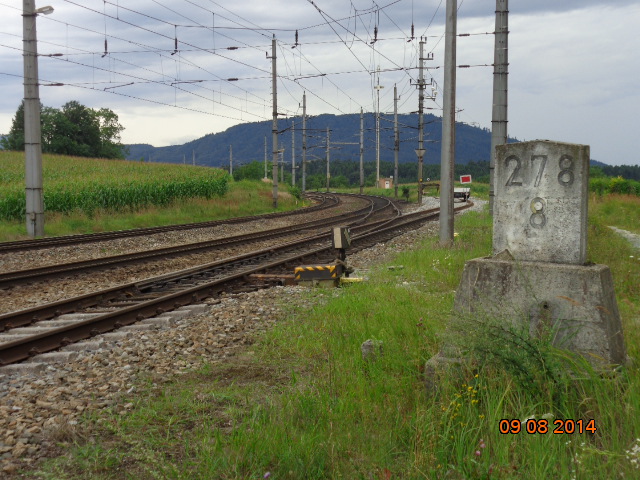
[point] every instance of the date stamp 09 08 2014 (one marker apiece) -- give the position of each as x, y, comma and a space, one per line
542, 426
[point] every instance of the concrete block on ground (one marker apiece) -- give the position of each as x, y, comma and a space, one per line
89, 346
175, 314
78, 316
577, 302
24, 369
162, 322
54, 323
195, 309
139, 327
28, 330
54, 357
4, 338
116, 336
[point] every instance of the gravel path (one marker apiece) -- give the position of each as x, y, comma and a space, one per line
37, 411
634, 238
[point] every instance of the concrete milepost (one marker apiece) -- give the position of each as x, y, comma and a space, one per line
540, 209
538, 279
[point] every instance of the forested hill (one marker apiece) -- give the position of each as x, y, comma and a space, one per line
248, 140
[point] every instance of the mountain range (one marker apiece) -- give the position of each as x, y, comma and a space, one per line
248, 141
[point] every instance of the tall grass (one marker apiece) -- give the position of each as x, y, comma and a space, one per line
621, 211
242, 199
87, 185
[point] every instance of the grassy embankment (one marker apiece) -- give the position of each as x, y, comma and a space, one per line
90, 195
305, 405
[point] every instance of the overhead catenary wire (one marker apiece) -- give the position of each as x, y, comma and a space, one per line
315, 82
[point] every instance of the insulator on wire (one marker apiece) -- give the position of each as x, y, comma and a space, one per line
106, 51
175, 44
375, 35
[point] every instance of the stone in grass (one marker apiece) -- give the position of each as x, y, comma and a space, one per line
371, 349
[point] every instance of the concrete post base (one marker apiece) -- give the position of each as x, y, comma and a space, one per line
576, 302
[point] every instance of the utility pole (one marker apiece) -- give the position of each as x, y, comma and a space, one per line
265, 156
281, 151
274, 129
448, 125
396, 140
361, 150
420, 151
378, 87
193, 157
304, 142
293, 153
328, 146
231, 160
500, 88
32, 129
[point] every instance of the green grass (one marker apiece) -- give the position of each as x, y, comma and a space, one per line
622, 211
242, 199
306, 406
72, 184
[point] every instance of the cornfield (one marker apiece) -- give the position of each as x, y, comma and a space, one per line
87, 185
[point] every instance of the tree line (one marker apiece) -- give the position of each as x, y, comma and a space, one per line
74, 130
346, 173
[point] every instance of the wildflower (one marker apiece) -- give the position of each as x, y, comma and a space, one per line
478, 453
266, 475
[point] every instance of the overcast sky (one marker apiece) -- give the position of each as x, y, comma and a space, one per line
572, 73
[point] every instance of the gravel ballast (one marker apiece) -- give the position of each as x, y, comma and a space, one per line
38, 408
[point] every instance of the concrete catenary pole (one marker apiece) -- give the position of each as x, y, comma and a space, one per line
265, 156
328, 147
274, 128
378, 87
361, 150
304, 142
32, 129
420, 151
281, 159
293, 153
231, 160
500, 84
448, 125
396, 141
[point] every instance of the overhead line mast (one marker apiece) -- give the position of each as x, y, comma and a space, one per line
500, 86
274, 129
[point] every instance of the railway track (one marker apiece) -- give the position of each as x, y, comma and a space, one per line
48, 327
14, 278
322, 202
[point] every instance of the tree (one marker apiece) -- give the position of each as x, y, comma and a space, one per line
15, 139
72, 130
250, 171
